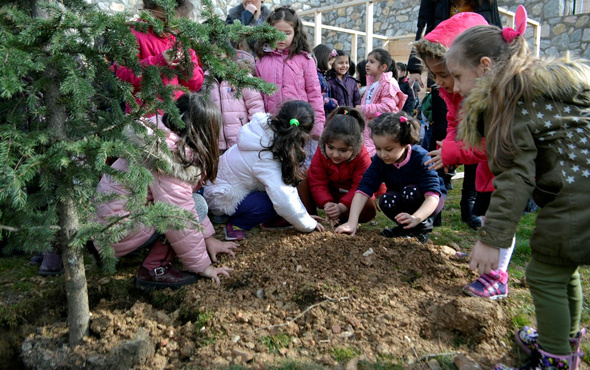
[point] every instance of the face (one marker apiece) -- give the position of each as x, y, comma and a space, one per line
389, 149
341, 65
338, 151
331, 63
464, 76
443, 78
256, 3
374, 67
288, 30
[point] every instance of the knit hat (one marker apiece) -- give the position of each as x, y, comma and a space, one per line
438, 41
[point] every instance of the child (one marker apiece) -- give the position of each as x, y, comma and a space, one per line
236, 112
192, 159
414, 193
158, 50
534, 116
404, 86
361, 76
339, 164
325, 57
431, 49
343, 86
290, 66
257, 177
383, 94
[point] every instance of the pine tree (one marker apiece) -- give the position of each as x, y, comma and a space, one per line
62, 115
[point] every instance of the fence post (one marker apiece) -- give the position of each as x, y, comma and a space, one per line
317, 31
354, 49
369, 28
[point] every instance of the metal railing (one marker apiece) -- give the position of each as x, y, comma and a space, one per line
369, 35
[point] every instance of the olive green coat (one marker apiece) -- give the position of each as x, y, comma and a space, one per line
552, 163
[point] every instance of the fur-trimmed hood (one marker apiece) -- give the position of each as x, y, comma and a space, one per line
158, 158
566, 82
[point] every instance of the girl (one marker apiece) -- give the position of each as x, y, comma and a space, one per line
534, 115
325, 57
235, 111
290, 66
339, 164
414, 193
383, 94
158, 50
404, 86
257, 177
344, 87
361, 76
451, 152
192, 158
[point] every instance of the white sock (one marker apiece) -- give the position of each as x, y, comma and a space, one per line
505, 255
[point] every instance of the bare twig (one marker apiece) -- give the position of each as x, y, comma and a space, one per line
16, 229
290, 320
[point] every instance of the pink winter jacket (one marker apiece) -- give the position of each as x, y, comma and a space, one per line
235, 112
387, 99
296, 79
150, 48
176, 188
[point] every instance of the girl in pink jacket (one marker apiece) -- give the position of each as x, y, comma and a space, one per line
383, 94
158, 50
291, 67
192, 158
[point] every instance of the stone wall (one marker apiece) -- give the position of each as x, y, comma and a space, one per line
560, 30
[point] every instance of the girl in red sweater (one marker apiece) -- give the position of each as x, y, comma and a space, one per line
339, 164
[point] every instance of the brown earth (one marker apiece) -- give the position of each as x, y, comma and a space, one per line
316, 298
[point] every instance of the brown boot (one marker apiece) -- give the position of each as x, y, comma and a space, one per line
162, 277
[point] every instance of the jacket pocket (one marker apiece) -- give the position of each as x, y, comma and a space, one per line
543, 196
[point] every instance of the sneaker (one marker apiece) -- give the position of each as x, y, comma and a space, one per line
541, 360
52, 265
488, 286
396, 232
233, 232
276, 224
36, 260
162, 277
527, 338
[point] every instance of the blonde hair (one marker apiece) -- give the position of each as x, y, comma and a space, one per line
511, 76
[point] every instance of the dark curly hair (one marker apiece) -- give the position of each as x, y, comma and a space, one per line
289, 138
346, 124
299, 42
390, 124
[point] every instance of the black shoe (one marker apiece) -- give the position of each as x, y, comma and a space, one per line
94, 253
396, 232
162, 277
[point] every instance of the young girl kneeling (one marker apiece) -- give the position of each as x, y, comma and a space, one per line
257, 177
414, 193
339, 165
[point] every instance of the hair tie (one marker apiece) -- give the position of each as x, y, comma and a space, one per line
333, 53
345, 111
403, 119
294, 121
377, 114
509, 34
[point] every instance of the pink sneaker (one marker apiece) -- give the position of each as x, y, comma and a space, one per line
233, 232
527, 338
492, 286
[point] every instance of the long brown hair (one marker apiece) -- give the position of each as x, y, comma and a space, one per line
299, 42
511, 76
202, 122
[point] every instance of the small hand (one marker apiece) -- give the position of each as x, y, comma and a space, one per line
213, 272
484, 258
346, 228
435, 163
172, 57
319, 227
251, 8
407, 219
416, 77
215, 246
332, 210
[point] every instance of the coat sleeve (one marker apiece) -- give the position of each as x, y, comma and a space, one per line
189, 244
195, 82
253, 101
361, 164
126, 74
514, 186
356, 96
317, 176
454, 152
284, 198
388, 103
373, 177
314, 95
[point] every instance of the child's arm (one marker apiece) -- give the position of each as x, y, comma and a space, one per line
350, 227
194, 82
412, 220
484, 258
253, 101
317, 177
388, 103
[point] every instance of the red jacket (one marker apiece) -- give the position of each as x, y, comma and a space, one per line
150, 48
326, 178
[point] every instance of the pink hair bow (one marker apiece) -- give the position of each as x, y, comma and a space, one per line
509, 34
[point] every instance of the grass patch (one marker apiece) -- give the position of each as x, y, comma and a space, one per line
276, 342
344, 354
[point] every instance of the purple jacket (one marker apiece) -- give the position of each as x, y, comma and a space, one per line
346, 92
296, 79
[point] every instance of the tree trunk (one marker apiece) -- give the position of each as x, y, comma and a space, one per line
73, 260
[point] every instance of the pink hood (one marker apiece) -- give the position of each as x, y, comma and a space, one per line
446, 31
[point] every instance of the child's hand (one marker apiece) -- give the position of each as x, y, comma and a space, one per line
171, 57
332, 210
215, 246
435, 163
346, 228
213, 272
407, 219
484, 258
251, 8
319, 227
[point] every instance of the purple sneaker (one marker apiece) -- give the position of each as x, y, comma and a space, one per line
527, 338
489, 286
233, 232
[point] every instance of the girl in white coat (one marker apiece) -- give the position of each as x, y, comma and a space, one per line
257, 178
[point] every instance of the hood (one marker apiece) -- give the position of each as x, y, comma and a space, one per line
565, 82
256, 135
158, 158
439, 40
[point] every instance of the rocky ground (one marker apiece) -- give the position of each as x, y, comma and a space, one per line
321, 300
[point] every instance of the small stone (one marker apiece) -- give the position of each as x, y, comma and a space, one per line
283, 351
27, 346
299, 268
368, 252
353, 321
353, 364
434, 365
260, 293
104, 281
336, 329
249, 345
464, 363
236, 339
241, 355
164, 342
